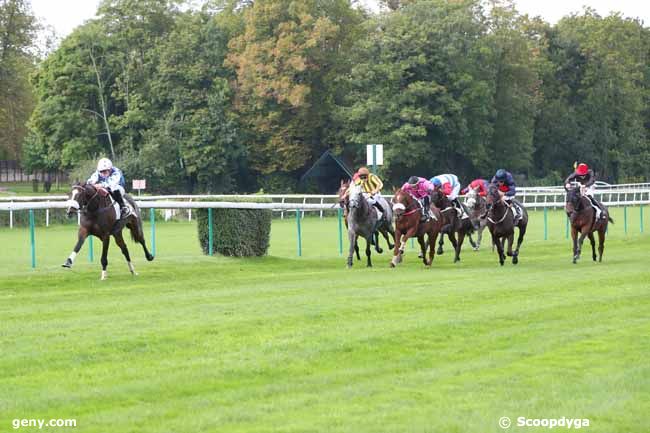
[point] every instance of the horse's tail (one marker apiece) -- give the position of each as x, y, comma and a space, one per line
137, 232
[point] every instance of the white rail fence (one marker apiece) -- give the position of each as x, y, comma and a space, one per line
532, 198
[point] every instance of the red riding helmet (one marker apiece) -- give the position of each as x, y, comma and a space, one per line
582, 169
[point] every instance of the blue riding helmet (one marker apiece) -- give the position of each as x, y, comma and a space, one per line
413, 180
436, 182
501, 175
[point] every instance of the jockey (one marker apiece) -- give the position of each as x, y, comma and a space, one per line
371, 184
506, 184
450, 186
480, 185
586, 177
421, 190
112, 179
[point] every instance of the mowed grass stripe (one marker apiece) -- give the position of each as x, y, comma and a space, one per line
285, 344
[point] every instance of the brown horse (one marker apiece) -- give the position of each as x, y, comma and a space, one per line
408, 224
501, 223
583, 220
99, 218
453, 224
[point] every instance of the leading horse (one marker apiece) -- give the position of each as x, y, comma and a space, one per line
477, 207
583, 220
453, 224
99, 218
501, 222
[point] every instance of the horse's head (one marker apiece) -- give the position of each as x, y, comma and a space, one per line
471, 198
355, 196
80, 197
439, 199
573, 199
401, 202
343, 188
493, 195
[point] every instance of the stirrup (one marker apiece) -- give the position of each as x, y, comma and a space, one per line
126, 211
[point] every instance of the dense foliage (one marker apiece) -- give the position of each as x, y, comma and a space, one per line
239, 96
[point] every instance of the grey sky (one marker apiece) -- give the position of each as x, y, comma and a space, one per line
65, 15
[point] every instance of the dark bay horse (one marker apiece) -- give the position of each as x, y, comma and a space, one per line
98, 218
408, 224
453, 224
501, 224
385, 226
583, 220
477, 207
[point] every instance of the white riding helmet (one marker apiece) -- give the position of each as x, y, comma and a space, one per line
104, 164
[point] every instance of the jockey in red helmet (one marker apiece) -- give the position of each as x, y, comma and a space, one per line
587, 179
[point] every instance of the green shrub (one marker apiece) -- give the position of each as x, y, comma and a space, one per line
236, 232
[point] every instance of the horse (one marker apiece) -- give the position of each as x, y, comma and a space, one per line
452, 223
408, 224
501, 224
385, 225
362, 221
583, 220
99, 218
477, 206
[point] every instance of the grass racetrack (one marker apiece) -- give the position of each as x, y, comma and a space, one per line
287, 344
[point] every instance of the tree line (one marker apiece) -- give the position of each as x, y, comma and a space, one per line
237, 96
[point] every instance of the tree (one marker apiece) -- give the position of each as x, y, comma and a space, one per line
17, 32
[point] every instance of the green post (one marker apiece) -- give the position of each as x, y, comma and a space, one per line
412, 243
566, 234
299, 234
210, 233
625, 218
340, 213
545, 223
90, 248
31, 237
152, 218
641, 218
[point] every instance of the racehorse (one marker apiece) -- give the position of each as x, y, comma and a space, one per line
477, 206
385, 225
453, 224
361, 221
583, 220
408, 224
99, 218
501, 224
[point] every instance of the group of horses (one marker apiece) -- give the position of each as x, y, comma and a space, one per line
401, 220
362, 221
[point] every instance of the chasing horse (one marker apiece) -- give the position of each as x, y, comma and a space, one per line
362, 221
454, 224
410, 222
103, 215
502, 218
476, 204
586, 219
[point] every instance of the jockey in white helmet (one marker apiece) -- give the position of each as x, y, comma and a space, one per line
111, 178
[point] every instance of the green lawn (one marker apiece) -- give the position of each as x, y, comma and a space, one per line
288, 344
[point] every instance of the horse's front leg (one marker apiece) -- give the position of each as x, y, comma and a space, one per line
496, 241
368, 250
119, 240
397, 254
574, 237
352, 237
81, 238
105, 243
423, 248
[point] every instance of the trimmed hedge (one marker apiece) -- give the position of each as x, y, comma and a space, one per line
236, 232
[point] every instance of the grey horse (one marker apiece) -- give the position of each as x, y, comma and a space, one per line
363, 222
477, 214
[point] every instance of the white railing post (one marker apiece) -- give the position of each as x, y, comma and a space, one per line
11, 217
47, 215
189, 213
321, 211
282, 212
304, 200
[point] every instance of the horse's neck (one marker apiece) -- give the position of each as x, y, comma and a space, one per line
497, 206
363, 208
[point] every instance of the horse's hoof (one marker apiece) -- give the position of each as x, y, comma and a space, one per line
515, 260
392, 264
149, 257
501, 262
475, 248
104, 276
369, 266
440, 251
575, 261
594, 257
379, 250
67, 264
420, 256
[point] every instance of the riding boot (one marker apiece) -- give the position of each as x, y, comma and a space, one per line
125, 211
381, 213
